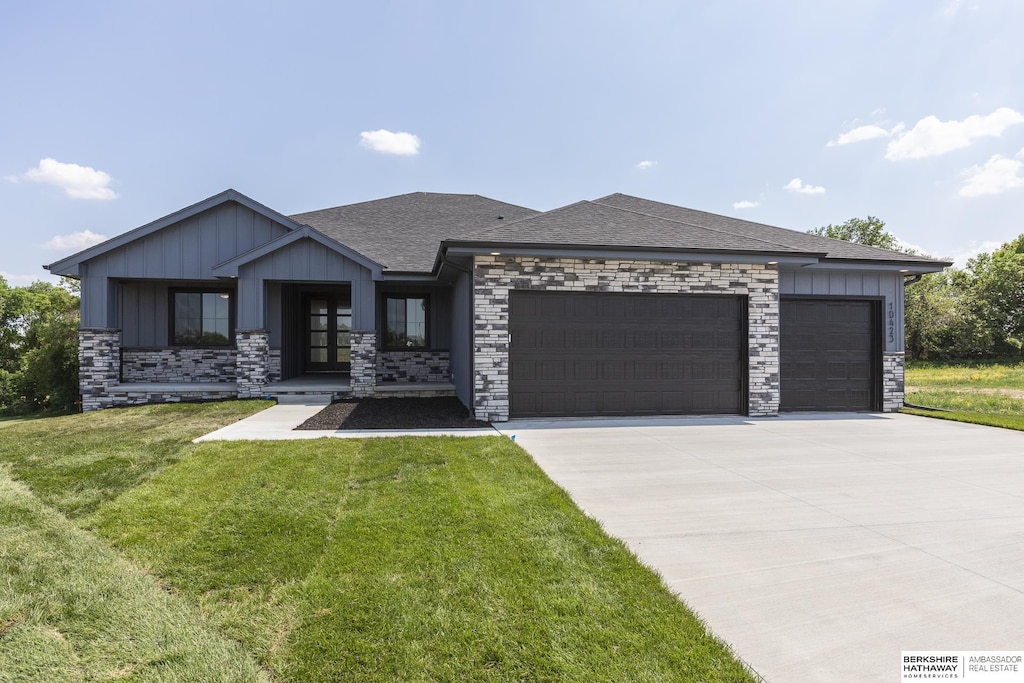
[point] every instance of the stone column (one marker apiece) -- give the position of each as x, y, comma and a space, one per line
892, 381
763, 380
99, 365
252, 362
363, 375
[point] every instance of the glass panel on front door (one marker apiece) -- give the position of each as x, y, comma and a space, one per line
328, 333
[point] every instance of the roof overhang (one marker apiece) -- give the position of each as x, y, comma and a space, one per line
451, 248
70, 266
230, 267
905, 267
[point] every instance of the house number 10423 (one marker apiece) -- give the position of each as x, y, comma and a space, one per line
890, 323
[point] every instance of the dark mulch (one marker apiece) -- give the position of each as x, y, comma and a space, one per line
394, 413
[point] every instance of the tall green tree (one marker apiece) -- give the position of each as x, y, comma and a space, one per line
997, 281
38, 348
870, 231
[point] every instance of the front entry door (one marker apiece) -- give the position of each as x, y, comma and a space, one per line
328, 332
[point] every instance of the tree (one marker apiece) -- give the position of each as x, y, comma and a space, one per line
941, 320
38, 348
870, 231
997, 282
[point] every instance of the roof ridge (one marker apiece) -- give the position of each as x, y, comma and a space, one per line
476, 195
696, 225
483, 231
753, 223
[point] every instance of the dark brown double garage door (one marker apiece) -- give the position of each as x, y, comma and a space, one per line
589, 353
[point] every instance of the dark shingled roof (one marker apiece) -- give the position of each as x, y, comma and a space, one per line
595, 224
802, 241
403, 233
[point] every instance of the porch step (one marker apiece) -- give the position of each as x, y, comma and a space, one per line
413, 389
285, 399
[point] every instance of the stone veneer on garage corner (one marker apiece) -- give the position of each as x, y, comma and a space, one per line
892, 381
495, 276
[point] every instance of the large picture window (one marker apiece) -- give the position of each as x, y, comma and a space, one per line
405, 322
201, 318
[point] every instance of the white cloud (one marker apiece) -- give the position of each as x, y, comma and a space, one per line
386, 142
745, 204
797, 185
862, 133
972, 250
76, 241
80, 182
646, 165
999, 174
932, 137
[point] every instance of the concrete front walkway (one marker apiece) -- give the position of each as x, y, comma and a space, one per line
819, 547
278, 423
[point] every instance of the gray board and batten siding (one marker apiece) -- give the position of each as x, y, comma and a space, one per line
187, 250
184, 254
302, 261
853, 284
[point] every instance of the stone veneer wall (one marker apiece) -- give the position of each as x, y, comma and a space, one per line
413, 366
252, 362
99, 366
892, 381
274, 365
363, 374
495, 276
178, 365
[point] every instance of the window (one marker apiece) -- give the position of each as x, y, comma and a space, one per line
201, 318
405, 322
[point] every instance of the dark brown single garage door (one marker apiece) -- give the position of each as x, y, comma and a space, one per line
828, 351
583, 353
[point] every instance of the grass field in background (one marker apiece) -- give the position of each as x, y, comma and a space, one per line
980, 392
135, 554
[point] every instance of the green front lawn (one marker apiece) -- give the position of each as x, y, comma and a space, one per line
72, 609
372, 560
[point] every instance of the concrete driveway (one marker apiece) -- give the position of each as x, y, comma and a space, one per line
819, 547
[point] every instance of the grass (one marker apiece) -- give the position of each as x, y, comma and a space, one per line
75, 462
413, 559
407, 559
970, 374
988, 393
71, 609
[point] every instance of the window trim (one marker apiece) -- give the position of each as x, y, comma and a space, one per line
387, 296
232, 296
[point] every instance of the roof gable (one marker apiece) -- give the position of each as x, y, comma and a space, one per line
230, 267
70, 265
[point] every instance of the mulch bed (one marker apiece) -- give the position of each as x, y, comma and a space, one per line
394, 413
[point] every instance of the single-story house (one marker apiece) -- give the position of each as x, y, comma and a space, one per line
616, 306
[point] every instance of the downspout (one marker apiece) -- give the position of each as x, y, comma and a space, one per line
911, 279
472, 329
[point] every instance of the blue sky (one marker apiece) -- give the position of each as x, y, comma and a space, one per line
796, 113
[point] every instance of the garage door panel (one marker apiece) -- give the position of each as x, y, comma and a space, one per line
623, 354
827, 354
